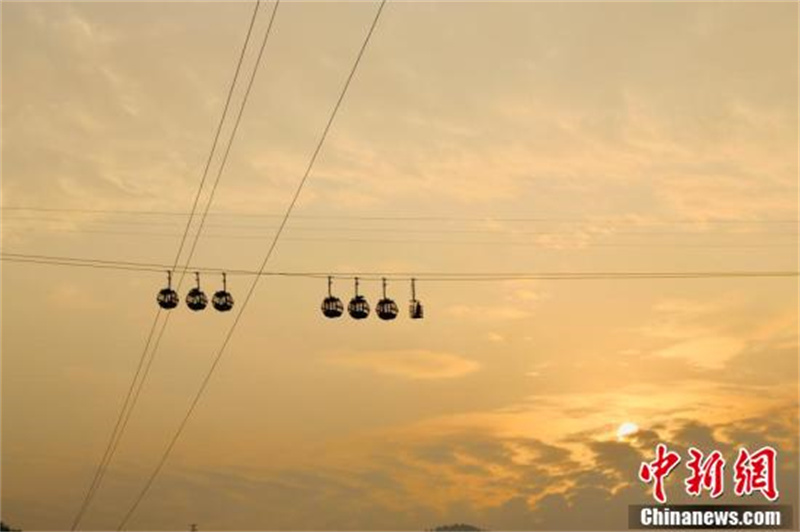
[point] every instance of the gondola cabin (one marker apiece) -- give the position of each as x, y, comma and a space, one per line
332, 307
358, 308
386, 309
196, 299
167, 297
415, 311
222, 300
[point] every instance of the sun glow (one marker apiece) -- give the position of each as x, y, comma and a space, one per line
627, 429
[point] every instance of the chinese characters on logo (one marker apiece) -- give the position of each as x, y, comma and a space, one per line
752, 472
705, 473
659, 469
756, 472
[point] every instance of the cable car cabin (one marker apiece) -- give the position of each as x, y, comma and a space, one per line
222, 301
414, 306
358, 308
386, 309
196, 299
168, 298
332, 307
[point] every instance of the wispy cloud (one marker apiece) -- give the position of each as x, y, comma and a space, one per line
409, 363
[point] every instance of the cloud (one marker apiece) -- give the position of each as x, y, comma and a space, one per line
485, 478
683, 318
711, 352
495, 337
710, 335
409, 363
488, 312
529, 131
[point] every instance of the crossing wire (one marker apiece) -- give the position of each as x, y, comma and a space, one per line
417, 218
264, 262
400, 276
600, 229
185, 268
137, 382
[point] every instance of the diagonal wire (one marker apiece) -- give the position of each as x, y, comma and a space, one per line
185, 268
250, 292
133, 391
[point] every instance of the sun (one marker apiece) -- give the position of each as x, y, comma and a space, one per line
627, 429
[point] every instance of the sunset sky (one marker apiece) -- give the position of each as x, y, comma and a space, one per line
475, 137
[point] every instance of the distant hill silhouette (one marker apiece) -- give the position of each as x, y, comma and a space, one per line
458, 527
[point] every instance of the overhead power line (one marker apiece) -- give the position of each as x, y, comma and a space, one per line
577, 242
633, 219
403, 275
261, 269
91, 226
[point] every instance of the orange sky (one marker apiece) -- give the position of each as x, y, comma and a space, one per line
624, 133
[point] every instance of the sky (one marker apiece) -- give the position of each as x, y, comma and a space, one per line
475, 137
